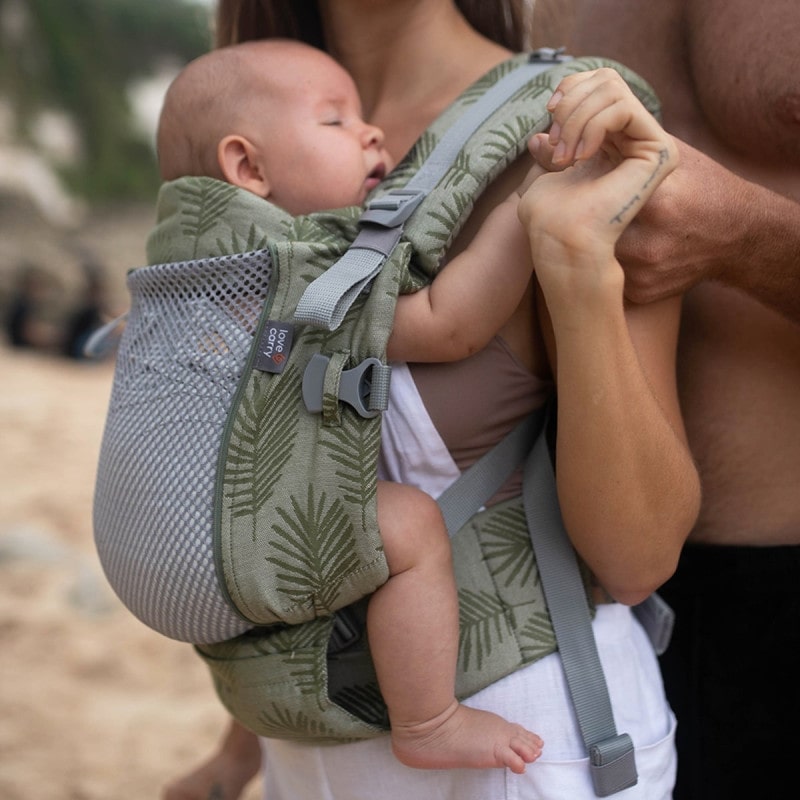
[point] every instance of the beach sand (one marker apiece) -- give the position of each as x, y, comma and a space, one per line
93, 705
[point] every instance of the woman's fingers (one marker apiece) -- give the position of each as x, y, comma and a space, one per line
589, 108
543, 152
605, 154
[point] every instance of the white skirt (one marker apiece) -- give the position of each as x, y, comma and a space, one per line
535, 696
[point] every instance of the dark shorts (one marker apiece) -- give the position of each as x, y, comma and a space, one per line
732, 672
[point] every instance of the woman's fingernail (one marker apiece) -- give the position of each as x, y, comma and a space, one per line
553, 101
560, 152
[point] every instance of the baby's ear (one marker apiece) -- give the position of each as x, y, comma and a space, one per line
240, 163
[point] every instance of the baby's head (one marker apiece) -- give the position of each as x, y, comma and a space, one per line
276, 117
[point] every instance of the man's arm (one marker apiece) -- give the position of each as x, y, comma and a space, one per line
707, 223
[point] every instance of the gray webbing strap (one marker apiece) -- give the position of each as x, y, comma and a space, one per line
464, 498
611, 755
328, 298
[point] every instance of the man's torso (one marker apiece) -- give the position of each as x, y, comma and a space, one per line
726, 74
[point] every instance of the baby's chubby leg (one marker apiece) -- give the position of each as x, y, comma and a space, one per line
413, 634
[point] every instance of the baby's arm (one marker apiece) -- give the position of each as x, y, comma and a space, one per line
473, 296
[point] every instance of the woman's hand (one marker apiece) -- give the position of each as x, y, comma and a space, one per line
604, 156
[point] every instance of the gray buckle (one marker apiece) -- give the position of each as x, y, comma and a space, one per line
613, 765
657, 619
365, 387
550, 54
393, 208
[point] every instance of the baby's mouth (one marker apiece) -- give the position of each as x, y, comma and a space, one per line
376, 176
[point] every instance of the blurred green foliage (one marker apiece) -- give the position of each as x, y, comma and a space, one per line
80, 57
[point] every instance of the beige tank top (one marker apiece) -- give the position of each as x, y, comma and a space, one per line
475, 402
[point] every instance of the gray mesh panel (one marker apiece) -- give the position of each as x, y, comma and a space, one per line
183, 352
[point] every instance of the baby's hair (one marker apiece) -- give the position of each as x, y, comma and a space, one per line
194, 105
205, 102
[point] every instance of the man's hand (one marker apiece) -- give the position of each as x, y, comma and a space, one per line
685, 232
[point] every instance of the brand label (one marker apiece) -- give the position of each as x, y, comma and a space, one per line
274, 346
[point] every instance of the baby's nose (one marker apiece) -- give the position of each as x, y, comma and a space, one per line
373, 136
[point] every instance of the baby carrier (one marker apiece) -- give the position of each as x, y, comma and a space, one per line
235, 498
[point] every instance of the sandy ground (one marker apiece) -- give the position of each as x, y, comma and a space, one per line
92, 703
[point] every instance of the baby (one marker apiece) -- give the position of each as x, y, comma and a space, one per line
283, 120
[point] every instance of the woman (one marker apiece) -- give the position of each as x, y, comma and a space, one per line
627, 486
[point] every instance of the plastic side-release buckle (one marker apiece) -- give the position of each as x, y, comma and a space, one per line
365, 387
613, 765
657, 619
548, 55
393, 208
346, 631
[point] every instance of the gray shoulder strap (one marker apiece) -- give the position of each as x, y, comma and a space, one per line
611, 755
613, 766
329, 297
476, 485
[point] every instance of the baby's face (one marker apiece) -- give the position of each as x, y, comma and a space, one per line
322, 154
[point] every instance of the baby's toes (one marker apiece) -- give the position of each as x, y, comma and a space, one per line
527, 745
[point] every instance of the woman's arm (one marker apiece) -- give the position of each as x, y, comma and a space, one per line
627, 484
628, 488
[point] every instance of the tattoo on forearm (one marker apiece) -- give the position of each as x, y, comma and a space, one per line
216, 793
619, 217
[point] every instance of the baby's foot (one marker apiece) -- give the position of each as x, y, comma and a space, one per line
465, 737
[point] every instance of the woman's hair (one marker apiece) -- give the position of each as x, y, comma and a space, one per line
503, 21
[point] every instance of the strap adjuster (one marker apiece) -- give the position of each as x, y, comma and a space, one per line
613, 765
393, 208
549, 55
